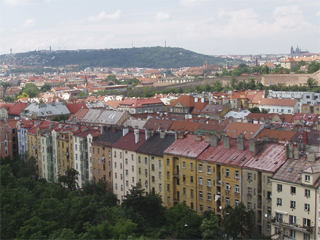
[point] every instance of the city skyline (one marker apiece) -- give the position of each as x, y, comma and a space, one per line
203, 26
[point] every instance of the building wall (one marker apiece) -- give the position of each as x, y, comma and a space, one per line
299, 212
6, 144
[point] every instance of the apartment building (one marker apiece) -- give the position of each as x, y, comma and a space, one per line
102, 150
284, 106
124, 162
295, 198
150, 163
181, 182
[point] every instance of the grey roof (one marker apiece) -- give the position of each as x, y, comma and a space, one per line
109, 117
235, 114
134, 123
156, 145
45, 109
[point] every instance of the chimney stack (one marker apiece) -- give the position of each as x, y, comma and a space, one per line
240, 142
311, 156
136, 135
162, 133
226, 142
125, 131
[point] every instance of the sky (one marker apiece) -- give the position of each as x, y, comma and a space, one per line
204, 26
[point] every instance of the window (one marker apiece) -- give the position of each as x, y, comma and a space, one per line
146, 184
307, 193
306, 236
228, 187
168, 174
132, 179
152, 167
279, 201
249, 205
132, 158
146, 172
159, 175
160, 187
249, 191
168, 200
191, 192
168, 162
191, 179
159, 163
227, 173
292, 204
227, 201
184, 191
292, 234
132, 168
293, 190
153, 179
237, 202
269, 180
121, 177
236, 174
183, 164
307, 178
145, 161
191, 206
115, 175
191, 166
200, 181
209, 169
279, 216
200, 167
237, 189
279, 187
209, 182
168, 187
200, 194
269, 196
184, 178
292, 219
120, 165
139, 159
306, 222
126, 161
249, 176
307, 207
200, 208
139, 171
127, 183
120, 154
209, 196
127, 172
116, 186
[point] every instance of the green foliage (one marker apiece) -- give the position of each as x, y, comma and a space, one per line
23, 95
210, 227
70, 179
45, 88
5, 85
82, 94
60, 118
237, 222
311, 83
254, 110
31, 90
313, 67
8, 99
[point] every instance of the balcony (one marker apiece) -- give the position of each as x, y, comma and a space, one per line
294, 226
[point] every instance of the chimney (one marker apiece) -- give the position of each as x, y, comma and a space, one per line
198, 138
125, 131
296, 153
162, 133
37, 123
147, 133
226, 142
290, 151
286, 150
60, 125
202, 100
102, 129
196, 100
311, 156
75, 127
240, 142
255, 146
136, 135
213, 140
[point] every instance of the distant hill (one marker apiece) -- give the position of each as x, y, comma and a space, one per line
146, 57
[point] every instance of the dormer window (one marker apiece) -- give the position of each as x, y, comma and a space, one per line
307, 178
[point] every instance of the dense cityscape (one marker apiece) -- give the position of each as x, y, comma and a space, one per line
225, 150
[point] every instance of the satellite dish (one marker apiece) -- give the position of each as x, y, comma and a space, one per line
220, 207
266, 215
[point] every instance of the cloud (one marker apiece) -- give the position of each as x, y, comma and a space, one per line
103, 16
29, 23
318, 14
24, 2
191, 3
161, 16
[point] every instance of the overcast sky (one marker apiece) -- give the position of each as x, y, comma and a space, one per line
204, 26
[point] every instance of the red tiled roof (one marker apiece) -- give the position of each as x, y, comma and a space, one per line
75, 107
188, 146
184, 100
248, 129
282, 136
184, 126
278, 102
17, 108
127, 142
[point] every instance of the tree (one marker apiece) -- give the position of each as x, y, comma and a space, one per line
265, 69
45, 88
313, 67
237, 222
217, 86
254, 110
210, 227
234, 82
31, 90
8, 99
311, 82
23, 95
183, 223
70, 179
